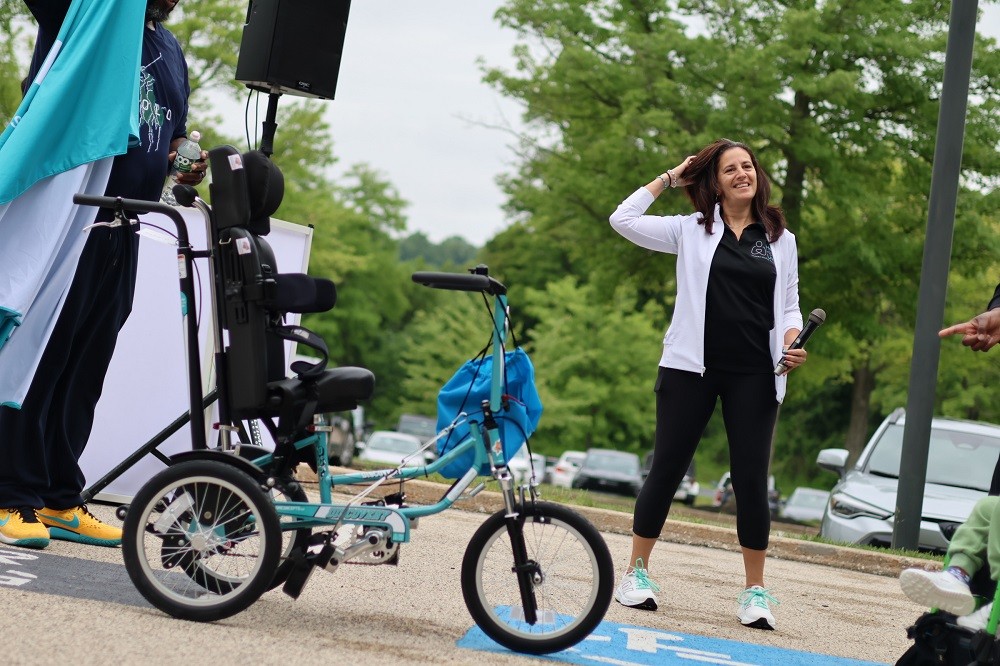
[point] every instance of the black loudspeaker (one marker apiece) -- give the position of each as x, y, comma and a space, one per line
293, 46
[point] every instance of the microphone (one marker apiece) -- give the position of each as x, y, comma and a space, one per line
816, 318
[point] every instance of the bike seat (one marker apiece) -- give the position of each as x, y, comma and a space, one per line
335, 390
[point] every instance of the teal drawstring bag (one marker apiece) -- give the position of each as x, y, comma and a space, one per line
517, 417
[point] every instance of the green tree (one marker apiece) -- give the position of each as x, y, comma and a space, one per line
354, 222
451, 328
210, 32
15, 45
453, 253
595, 364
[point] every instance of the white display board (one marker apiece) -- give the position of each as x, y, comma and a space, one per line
146, 386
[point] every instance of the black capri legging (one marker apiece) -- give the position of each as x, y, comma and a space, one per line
684, 404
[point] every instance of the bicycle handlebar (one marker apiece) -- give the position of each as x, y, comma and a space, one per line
460, 282
136, 206
133, 205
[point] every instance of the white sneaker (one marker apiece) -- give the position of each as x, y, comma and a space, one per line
752, 608
937, 589
636, 589
976, 621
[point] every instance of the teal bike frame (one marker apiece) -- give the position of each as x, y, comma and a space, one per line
482, 429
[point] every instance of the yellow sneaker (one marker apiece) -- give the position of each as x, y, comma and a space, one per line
19, 526
80, 525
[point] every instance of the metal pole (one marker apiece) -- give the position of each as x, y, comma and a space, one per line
934, 272
270, 124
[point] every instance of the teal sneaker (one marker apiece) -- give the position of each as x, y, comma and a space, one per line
80, 525
19, 526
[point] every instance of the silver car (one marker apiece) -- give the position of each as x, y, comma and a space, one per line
805, 505
960, 463
610, 471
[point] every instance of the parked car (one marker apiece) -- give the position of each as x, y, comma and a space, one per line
721, 490
550, 465
960, 461
611, 471
387, 446
566, 468
724, 498
689, 489
805, 505
424, 427
340, 438
520, 466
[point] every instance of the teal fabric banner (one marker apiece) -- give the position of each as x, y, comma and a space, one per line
81, 110
84, 103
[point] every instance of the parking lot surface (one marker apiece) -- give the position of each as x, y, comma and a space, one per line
75, 604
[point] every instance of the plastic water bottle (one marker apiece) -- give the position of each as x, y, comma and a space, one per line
187, 154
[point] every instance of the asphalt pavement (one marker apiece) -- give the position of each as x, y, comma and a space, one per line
75, 604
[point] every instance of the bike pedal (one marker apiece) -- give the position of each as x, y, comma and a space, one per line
396, 499
298, 576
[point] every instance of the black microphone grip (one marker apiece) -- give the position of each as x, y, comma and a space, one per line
816, 318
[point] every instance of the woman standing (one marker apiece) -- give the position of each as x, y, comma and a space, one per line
736, 312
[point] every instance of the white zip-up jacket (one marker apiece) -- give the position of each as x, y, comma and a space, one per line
684, 342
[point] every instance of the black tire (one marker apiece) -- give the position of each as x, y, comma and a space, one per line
285, 489
201, 540
575, 586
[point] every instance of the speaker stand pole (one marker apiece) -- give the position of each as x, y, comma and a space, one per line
270, 124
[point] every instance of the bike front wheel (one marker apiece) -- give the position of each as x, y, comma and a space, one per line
201, 540
571, 579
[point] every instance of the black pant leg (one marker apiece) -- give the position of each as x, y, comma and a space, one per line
72, 411
749, 410
40, 444
684, 404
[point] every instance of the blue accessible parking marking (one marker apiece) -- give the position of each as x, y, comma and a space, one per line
628, 645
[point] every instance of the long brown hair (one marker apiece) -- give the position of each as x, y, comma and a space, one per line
704, 187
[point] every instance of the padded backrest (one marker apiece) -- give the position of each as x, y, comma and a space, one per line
230, 201
255, 355
246, 190
265, 190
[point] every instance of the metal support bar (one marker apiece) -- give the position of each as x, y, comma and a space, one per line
934, 273
149, 447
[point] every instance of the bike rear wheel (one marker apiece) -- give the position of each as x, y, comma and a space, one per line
201, 540
572, 579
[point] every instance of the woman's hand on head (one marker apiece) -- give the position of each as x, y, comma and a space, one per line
680, 169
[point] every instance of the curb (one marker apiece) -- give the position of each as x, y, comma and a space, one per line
683, 532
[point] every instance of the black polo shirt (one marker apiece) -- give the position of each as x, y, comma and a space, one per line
739, 313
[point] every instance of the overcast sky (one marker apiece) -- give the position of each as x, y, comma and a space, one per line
410, 102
